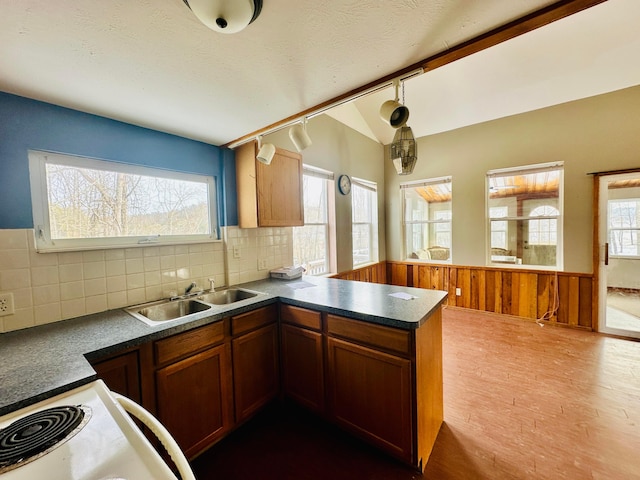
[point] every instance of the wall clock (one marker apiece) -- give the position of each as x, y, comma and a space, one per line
344, 184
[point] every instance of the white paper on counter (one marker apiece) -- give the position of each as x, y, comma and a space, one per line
402, 295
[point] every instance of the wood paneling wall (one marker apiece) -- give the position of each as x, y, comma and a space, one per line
375, 273
556, 297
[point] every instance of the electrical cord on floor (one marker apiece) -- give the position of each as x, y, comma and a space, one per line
554, 308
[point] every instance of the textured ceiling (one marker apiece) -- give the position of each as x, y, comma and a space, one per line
152, 63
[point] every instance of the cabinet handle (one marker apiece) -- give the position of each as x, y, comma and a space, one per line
606, 253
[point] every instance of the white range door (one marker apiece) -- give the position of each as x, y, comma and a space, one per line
79, 435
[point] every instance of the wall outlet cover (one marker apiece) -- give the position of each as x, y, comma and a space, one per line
458, 292
6, 304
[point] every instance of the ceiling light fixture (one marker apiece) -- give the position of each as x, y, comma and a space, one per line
392, 111
404, 149
225, 16
266, 151
299, 136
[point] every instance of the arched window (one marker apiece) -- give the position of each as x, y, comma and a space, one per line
544, 231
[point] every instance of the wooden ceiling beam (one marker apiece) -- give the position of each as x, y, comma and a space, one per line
528, 23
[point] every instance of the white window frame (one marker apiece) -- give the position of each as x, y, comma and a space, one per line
405, 223
527, 170
627, 229
329, 225
40, 205
372, 224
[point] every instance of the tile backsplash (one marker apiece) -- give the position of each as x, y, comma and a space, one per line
48, 287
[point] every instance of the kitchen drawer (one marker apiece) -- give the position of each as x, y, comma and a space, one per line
301, 316
387, 338
251, 320
184, 344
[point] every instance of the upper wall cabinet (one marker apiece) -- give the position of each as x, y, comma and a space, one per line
269, 195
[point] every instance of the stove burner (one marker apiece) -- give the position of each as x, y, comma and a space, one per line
34, 435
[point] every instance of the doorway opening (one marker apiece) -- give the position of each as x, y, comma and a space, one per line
619, 254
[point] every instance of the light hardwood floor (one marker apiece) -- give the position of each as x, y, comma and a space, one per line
524, 401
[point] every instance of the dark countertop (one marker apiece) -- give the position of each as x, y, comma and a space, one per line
39, 362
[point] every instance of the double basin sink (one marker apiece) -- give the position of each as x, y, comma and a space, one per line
194, 307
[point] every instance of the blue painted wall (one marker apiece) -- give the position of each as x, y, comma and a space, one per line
29, 124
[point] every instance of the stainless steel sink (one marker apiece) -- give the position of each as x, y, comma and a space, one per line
194, 307
165, 310
224, 297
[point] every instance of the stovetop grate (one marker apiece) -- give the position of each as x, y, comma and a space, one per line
36, 434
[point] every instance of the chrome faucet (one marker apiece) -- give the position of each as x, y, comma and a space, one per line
189, 288
212, 285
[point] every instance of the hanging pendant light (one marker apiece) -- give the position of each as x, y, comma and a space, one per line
404, 151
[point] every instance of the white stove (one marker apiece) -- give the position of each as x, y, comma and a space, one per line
103, 442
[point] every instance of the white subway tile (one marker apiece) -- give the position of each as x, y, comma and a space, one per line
135, 281
94, 270
18, 278
71, 291
152, 278
13, 259
134, 265
96, 303
151, 264
69, 257
72, 308
48, 313
133, 253
46, 294
116, 284
13, 240
93, 256
96, 286
136, 296
71, 272
23, 318
114, 254
115, 267
117, 300
44, 276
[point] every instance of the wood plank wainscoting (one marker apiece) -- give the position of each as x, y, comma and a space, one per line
529, 294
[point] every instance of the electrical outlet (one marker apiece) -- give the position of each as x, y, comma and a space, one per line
6, 304
236, 251
262, 264
458, 292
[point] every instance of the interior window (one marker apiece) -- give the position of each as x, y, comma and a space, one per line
81, 203
427, 219
364, 217
312, 242
524, 215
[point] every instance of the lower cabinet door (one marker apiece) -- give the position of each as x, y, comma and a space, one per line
120, 374
255, 370
302, 366
370, 393
193, 399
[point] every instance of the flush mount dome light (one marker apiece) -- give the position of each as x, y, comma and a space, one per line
225, 16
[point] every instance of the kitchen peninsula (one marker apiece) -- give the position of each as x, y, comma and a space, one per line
367, 357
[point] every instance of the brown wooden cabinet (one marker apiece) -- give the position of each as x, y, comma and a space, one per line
256, 379
385, 384
370, 393
269, 195
120, 374
302, 356
193, 390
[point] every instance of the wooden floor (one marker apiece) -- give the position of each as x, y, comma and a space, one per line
521, 401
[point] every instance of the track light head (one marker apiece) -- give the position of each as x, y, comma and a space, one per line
299, 136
